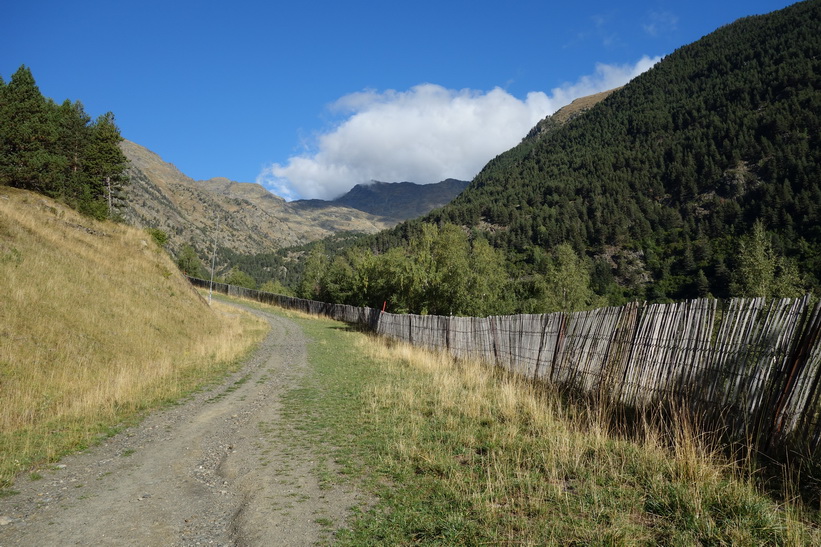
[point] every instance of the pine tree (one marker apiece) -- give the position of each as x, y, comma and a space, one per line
73, 135
755, 270
27, 137
106, 165
761, 271
55, 150
702, 284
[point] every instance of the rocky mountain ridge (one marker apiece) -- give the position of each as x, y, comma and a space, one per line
249, 219
397, 201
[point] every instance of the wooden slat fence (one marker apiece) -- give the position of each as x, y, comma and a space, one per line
748, 366
469, 337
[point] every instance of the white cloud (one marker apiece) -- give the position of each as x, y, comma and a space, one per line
425, 134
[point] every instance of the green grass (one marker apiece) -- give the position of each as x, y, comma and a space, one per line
458, 454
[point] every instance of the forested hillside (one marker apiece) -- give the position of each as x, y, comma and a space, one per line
700, 177
661, 183
58, 150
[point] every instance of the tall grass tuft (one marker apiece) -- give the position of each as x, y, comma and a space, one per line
96, 325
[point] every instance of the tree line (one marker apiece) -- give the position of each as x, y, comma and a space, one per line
58, 150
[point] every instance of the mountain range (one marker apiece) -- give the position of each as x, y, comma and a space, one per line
248, 219
396, 201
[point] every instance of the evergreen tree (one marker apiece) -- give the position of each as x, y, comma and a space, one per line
760, 271
702, 288
57, 150
73, 136
105, 169
27, 137
755, 270
659, 184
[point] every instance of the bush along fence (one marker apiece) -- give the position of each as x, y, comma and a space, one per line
747, 367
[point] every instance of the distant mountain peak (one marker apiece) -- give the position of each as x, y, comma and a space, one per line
249, 219
401, 200
243, 216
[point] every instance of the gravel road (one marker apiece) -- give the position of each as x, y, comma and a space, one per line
206, 472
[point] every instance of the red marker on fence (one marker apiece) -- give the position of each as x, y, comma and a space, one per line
385, 303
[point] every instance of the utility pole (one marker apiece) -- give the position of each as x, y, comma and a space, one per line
213, 263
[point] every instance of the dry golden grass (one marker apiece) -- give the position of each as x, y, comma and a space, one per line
564, 114
96, 324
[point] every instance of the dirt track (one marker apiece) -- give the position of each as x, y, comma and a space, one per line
206, 472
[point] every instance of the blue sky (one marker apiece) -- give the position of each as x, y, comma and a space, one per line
310, 98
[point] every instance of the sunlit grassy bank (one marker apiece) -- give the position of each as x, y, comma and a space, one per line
96, 325
460, 454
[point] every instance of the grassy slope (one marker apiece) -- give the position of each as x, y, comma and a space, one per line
460, 455
96, 325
